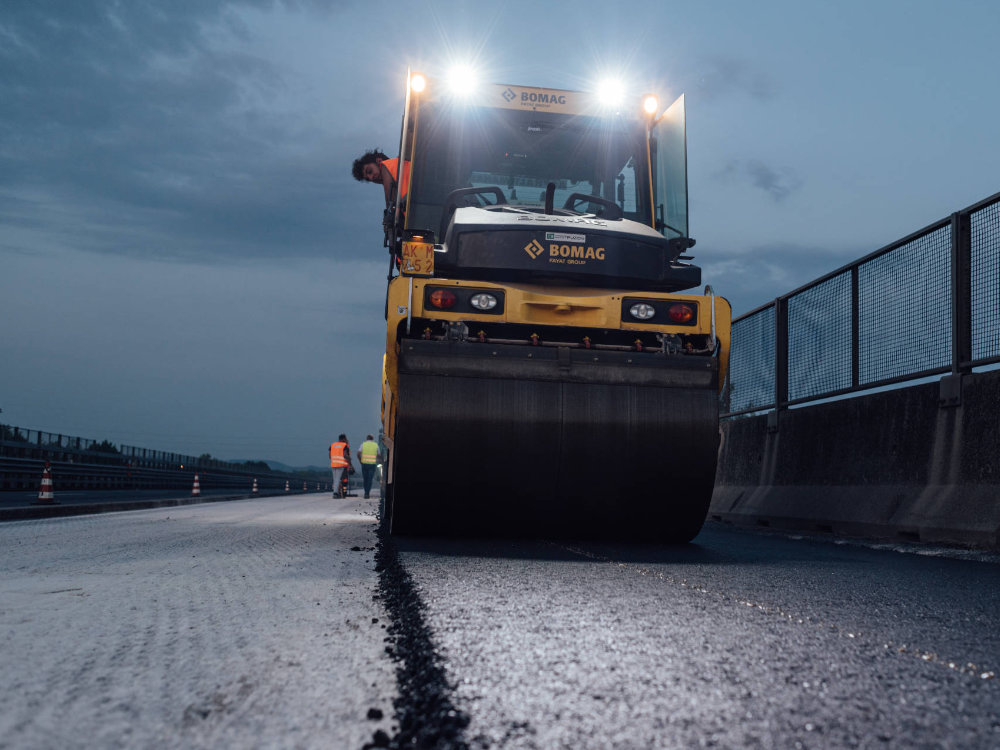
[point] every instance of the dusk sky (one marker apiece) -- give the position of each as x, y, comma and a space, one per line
187, 264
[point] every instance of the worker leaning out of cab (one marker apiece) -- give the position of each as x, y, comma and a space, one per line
340, 461
374, 166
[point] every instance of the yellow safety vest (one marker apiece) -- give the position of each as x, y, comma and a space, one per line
369, 452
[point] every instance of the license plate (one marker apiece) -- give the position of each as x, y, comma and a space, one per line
418, 259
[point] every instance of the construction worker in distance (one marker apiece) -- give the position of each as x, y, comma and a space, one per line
374, 166
340, 461
369, 459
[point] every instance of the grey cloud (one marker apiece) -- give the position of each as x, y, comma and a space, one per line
163, 138
750, 277
721, 76
778, 183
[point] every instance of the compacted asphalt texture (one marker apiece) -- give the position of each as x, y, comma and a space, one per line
289, 622
738, 640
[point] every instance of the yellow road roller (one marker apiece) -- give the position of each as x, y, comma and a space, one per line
547, 370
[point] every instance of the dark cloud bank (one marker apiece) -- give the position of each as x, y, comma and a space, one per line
142, 129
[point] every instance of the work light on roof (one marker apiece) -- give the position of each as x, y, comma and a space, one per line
650, 104
418, 82
462, 80
611, 92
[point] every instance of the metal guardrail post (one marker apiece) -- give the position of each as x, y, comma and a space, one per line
780, 362
855, 328
961, 293
950, 388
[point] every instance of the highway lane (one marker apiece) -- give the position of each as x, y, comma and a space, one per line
264, 622
738, 640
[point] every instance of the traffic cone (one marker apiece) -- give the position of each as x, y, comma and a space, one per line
286, 485
254, 490
45, 496
303, 486
196, 488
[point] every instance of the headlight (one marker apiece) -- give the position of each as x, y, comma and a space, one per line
483, 301
642, 311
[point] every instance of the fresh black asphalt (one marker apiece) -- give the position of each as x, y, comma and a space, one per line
737, 640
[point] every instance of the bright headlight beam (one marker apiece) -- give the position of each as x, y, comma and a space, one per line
462, 80
611, 92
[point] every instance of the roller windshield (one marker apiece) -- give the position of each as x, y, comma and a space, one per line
521, 152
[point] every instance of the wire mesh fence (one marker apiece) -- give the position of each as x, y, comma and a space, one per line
985, 278
752, 356
819, 338
904, 316
927, 304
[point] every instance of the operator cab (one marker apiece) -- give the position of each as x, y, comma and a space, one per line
543, 185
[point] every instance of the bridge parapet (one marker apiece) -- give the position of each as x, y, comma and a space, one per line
909, 459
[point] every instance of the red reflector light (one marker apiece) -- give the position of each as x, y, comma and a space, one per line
443, 299
681, 313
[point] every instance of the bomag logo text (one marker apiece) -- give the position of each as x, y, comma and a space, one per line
576, 251
532, 97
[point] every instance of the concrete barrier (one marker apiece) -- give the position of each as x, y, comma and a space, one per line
920, 463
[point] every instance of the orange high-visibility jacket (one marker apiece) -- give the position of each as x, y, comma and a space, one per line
337, 459
393, 166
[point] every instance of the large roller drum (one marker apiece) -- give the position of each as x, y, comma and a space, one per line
565, 442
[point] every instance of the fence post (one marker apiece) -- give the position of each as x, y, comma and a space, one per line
961, 293
855, 328
780, 361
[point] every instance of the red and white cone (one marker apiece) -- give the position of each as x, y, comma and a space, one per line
254, 490
286, 485
196, 488
45, 496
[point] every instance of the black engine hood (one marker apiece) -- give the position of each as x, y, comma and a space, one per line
516, 245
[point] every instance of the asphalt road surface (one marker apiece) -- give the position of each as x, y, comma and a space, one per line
281, 622
240, 624
738, 640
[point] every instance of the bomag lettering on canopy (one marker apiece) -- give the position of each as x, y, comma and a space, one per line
546, 373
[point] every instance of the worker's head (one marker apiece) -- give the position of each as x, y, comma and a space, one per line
366, 166
342, 438
369, 438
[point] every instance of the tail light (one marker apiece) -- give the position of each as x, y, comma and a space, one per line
681, 313
443, 299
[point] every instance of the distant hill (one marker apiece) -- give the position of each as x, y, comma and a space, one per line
279, 466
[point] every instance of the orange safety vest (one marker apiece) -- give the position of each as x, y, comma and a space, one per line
393, 166
337, 460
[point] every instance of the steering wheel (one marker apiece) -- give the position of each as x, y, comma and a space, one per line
461, 197
611, 210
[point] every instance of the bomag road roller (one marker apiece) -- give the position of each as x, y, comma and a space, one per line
545, 371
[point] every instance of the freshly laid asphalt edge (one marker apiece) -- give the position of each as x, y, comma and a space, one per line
425, 714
